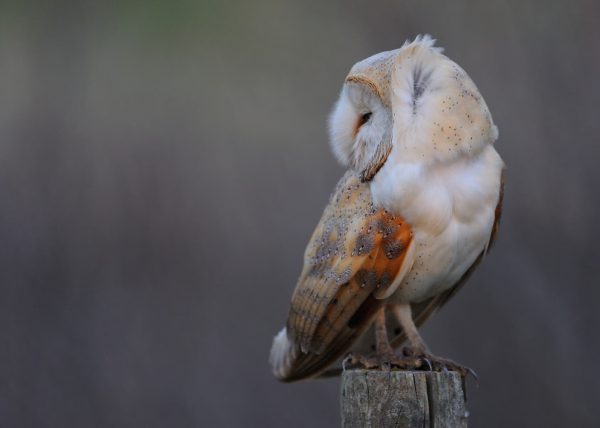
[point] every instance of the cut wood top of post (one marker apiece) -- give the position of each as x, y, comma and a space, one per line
374, 398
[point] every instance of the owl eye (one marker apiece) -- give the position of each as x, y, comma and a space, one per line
364, 119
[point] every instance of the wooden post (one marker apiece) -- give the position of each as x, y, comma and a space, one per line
374, 398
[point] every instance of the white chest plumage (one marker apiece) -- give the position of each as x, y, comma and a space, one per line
450, 207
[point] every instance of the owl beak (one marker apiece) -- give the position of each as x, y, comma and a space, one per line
376, 161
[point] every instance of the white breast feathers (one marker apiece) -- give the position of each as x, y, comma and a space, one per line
451, 208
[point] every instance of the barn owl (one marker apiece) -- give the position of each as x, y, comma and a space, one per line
409, 221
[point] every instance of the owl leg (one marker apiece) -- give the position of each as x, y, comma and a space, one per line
418, 349
385, 357
382, 342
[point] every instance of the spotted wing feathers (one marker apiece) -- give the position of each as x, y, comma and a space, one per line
354, 257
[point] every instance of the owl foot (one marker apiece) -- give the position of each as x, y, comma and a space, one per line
385, 361
439, 364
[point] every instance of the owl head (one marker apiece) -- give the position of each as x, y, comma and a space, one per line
414, 102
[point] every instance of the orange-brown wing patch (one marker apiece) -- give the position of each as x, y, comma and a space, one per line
388, 238
356, 251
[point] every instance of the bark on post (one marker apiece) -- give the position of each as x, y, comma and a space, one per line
373, 398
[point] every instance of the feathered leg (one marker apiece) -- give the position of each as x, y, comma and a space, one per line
417, 348
385, 357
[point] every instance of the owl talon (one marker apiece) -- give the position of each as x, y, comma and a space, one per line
429, 366
345, 361
473, 374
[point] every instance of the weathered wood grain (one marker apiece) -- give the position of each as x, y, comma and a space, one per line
380, 399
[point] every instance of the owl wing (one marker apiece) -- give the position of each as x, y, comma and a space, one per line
356, 257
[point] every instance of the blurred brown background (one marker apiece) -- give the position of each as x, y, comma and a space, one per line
164, 163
